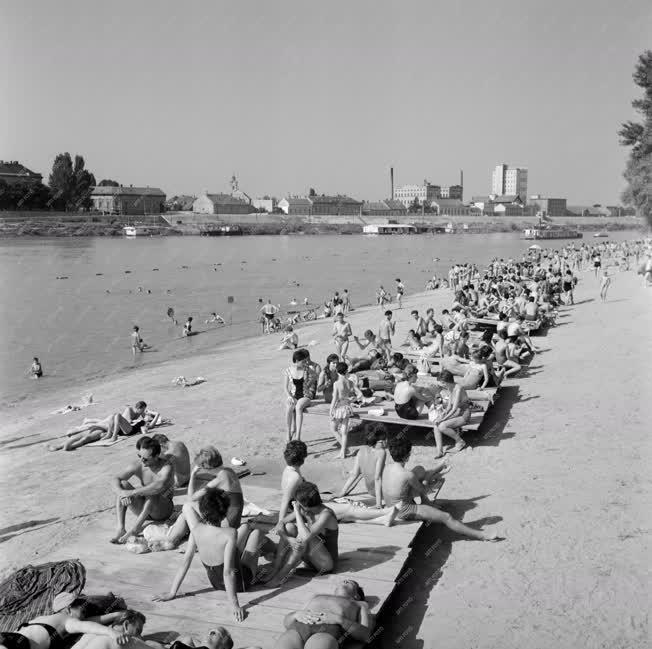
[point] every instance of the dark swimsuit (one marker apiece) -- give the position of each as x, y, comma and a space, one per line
18, 641
306, 631
298, 388
407, 410
243, 577
329, 540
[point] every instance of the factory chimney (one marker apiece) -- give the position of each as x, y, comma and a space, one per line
462, 182
391, 179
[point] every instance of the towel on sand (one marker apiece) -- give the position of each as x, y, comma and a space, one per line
186, 383
28, 592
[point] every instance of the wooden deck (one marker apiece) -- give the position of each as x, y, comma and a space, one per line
370, 554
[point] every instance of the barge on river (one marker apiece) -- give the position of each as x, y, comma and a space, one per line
389, 228
551, 232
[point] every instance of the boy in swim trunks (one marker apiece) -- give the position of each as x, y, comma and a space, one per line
386, 330
36, 370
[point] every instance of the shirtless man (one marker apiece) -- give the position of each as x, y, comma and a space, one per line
505, 354
341, 334
153, 499
177, 454
400, 289
327, 620
269, 312
420, 327
401, 486
128, 623
386, 330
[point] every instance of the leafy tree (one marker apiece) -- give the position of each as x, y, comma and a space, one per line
23, 196
312, 192
109, 183
70, 184
415, 206
638, 136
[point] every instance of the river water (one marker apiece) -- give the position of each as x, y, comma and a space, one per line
80, 326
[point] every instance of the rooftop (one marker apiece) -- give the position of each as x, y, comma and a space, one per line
127, 191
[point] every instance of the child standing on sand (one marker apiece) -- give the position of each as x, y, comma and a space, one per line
36, 370
604, 285
341, 411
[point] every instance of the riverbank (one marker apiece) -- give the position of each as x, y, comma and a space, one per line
46, 224
561, 468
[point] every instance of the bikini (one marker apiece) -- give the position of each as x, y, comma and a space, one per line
306, 631
407, 410
19, 641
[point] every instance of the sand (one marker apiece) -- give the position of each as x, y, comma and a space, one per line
561, 469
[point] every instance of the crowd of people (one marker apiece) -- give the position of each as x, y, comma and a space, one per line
239, 555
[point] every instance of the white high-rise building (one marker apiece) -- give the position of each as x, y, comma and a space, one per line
508, 181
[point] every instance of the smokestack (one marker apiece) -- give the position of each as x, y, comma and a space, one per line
391, 178
462, 182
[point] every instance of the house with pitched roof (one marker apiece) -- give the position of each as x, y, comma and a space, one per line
453, 207
15, 173
340, 205
221, 204
128, 200
296, 206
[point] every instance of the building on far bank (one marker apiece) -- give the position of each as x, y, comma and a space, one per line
128, 200
588, 210
220, 204
551, 206
385, 208
296, 206
506, 181
453, 207
340, 205
455, 192
14, 173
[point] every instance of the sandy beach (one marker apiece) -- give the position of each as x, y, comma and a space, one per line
561, 468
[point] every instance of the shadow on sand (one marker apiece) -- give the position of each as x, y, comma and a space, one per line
402, 614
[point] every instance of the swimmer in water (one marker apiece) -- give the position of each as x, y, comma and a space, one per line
218, 319
293, 302
36, 370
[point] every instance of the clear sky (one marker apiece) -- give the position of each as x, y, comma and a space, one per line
297, 94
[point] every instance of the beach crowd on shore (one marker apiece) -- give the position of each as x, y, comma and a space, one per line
437, 375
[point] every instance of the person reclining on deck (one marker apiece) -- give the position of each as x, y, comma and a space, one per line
401, 486
129, 623
327, 621
51, 631
295, 455
153, 499
219, 476
229, 556
217, 638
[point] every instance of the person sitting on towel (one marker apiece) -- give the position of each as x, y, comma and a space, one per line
150, 501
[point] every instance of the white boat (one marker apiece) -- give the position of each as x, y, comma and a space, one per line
129, 231
600, 234
389, 228
140, 229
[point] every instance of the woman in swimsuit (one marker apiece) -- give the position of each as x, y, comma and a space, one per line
408, 399
300, 387
221, 477
229, 556
456, 415
309, 534
477, 376
327, 620
50, 631
327, 377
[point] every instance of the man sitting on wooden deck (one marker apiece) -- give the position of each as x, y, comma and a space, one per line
401, 486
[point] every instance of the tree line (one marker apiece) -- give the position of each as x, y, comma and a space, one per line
68, 190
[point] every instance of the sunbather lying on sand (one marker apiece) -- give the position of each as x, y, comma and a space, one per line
150, 501
295, 455
401, 486
327, 620
128, 623
229, 556
50, 631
